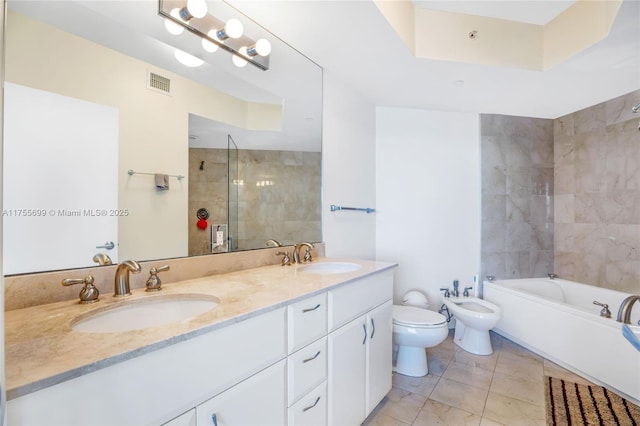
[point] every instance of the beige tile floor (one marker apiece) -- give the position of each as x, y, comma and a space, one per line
504, 388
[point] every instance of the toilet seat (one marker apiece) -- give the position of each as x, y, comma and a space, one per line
410, 316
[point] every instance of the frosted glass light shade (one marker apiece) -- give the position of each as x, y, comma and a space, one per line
187, 60
171, 26
207, 45
238, 60
197, 8
234, 28
262, 47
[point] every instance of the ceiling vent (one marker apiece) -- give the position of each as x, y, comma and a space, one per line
158, 83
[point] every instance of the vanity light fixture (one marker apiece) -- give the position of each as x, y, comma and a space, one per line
215, 34
194, 9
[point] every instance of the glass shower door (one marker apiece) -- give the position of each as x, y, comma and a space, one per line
234, 183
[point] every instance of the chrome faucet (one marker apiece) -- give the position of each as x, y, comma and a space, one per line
121, 283
624, 312
307, 254
605, 312
455, 292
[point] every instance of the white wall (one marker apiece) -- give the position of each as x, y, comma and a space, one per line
428, 194
348, 171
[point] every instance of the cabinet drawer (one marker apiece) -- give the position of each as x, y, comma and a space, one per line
259, 400
354, 299
311, 410
307, 321
306, 368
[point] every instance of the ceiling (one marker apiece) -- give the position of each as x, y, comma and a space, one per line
530, 11
355, 44
352, 41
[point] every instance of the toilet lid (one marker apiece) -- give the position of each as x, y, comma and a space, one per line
416, 317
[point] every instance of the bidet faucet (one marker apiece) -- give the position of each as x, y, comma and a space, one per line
624, 312
307, 254
455, 292
121, 286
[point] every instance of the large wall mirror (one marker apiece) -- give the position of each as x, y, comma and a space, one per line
241, 144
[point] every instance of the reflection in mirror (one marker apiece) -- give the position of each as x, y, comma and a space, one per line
257, 194
109, 53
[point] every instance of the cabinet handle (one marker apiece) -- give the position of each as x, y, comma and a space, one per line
311, 406
364, 328
214, 418
373, 328
312, 358
304, 311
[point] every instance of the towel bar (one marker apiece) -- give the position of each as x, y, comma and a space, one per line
131, 173
365, 209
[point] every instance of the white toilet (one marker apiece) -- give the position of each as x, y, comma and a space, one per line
416, 328
474, 318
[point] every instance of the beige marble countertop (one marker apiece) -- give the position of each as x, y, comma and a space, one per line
41, 349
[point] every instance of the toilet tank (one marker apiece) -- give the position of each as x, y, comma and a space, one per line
415, 298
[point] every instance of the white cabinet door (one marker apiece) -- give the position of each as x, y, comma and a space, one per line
259, 400
347, 370
379, 348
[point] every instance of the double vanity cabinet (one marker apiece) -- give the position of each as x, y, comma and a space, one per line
319, 355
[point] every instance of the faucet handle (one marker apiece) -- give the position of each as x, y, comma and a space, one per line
466, 291
552, 275
153, 282
286, 259
89, 292
605, 312
446, 292
307, 255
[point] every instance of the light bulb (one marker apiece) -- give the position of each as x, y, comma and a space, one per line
234, 28
262, 48
208, 45
187, 60
172, 27
238, 60
197, 8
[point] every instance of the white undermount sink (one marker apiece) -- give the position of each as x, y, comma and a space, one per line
141, 313
632, 334
329, 268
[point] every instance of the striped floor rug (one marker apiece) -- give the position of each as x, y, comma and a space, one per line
573, 404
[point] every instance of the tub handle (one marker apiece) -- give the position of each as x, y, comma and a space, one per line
605, 312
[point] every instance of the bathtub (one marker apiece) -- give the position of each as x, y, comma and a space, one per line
558, 320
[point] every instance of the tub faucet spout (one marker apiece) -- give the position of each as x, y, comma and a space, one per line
624, 312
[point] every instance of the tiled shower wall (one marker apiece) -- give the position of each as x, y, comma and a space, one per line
517, 196
207, 189
597, 202
279, 197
